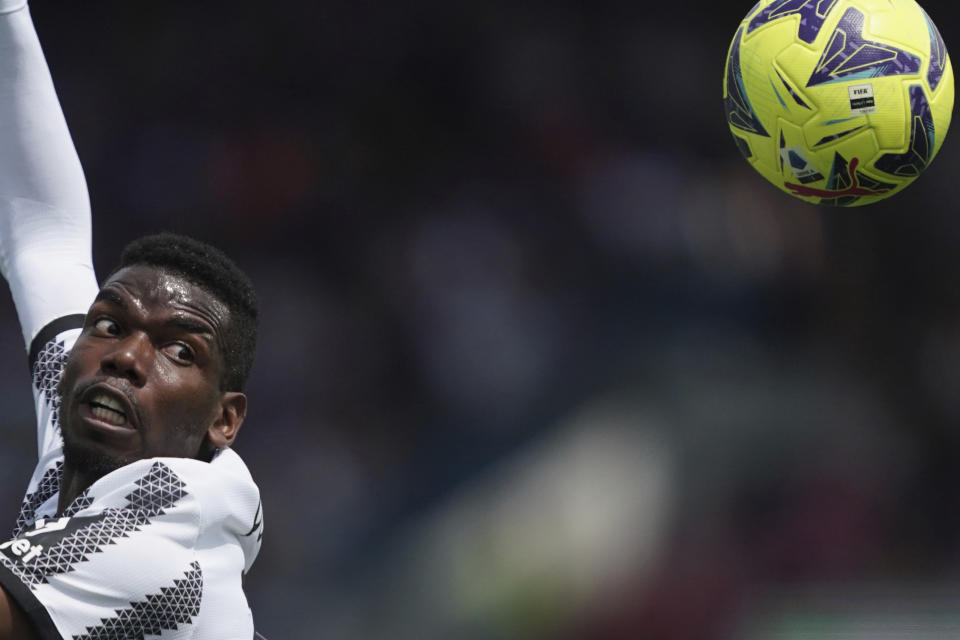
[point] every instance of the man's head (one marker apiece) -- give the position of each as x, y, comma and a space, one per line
210, 269
160, 365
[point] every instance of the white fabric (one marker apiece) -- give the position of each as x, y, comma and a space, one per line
6, 6
45, 243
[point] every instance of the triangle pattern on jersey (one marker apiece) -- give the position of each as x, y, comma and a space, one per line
164, 611
157, 490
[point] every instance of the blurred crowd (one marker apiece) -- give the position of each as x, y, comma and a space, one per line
541, 356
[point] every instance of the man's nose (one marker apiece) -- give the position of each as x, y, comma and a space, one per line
129, 358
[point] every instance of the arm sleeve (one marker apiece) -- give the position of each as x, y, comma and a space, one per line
45, 238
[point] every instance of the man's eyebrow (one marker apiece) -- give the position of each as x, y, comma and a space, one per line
191, 327
111, 296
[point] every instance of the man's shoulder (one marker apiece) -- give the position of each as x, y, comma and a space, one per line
225, 476
166, 479
222, 491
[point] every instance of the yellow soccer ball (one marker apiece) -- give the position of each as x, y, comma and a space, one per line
838, 102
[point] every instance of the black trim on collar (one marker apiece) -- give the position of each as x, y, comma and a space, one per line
51, 331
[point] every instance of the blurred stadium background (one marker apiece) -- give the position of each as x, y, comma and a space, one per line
541, 357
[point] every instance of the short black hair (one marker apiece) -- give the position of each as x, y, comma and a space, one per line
210, 269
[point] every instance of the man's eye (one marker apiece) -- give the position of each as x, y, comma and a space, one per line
107, 326
180, 353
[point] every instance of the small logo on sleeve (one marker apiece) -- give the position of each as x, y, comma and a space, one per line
257, 527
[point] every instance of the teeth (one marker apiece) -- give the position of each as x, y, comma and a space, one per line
107, 408
107, 415
107, 401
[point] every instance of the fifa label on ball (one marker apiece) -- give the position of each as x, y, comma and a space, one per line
861, 99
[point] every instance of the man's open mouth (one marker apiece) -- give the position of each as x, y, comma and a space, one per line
107, 409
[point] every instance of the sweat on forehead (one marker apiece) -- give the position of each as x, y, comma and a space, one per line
145, 285
154, 280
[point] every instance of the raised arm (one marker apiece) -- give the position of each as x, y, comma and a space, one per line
45, 240
44, 208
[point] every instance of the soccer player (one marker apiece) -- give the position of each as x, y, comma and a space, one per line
139, 520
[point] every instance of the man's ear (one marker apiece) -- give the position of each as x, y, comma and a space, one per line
233, 409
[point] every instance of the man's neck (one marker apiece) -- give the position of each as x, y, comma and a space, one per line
72, 484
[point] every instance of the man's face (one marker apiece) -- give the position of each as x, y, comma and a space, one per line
143, 379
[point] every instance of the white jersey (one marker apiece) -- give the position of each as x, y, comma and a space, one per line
155, 549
